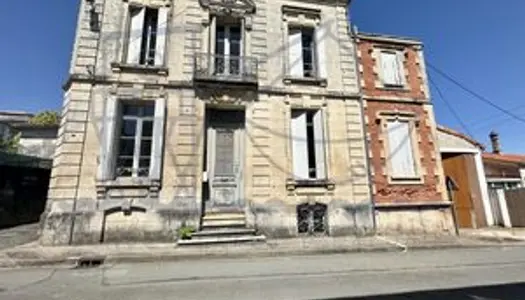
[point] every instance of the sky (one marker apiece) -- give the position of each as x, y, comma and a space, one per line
478, 42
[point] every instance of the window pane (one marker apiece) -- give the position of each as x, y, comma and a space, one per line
124, 166
147, 128
126, 147
143, 170
130, 110
128, 128
145, 148
148, 110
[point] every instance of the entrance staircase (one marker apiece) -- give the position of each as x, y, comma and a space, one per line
222, 228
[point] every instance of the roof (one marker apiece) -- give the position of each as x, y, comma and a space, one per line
389, 38
461, 136
505, 158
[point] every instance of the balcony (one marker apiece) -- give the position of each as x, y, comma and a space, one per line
225, 69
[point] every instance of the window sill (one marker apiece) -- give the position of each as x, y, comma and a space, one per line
129, 182
305, 80
397, 88
121, 67
405, 180
292, 184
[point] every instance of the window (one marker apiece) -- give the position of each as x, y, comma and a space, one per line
308, 145
228, 49
147, 36
400, 150
392, 69
311, 219
302, 52
135, 140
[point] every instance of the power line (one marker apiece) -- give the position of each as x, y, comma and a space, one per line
476, 95
449, 106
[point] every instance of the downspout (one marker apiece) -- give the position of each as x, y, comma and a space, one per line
354, 37
92, 79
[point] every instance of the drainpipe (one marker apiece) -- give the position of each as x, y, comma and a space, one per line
354, 37
92, 79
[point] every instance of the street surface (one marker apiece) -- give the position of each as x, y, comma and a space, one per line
473, 274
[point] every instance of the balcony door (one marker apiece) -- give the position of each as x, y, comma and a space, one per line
228, 49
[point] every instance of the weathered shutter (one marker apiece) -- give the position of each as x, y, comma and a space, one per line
162, 33
136, 28
320, 157
400, 69
299, 145
295, 53
106, 167
158, 139
401, 154
320, 47
388, 68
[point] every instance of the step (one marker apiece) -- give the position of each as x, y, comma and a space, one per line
224, 223
222, 240
223, 216
223, 232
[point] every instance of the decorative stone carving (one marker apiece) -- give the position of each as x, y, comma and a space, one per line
150, 3
238, 8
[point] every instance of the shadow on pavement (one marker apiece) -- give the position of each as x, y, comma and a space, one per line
495, 292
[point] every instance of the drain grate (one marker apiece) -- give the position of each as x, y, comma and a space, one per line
89, 262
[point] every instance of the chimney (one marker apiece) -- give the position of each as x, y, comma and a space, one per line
494, 140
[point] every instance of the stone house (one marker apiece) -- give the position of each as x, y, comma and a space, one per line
242, 114
408, 184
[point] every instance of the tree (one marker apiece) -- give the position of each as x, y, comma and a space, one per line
10, 144
45, 118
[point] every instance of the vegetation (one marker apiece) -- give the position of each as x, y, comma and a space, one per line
185, 232
10, 144
45, 118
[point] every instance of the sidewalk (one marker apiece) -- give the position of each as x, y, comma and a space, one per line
496, 234
33, 254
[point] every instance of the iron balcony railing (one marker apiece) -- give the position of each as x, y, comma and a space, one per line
218, 67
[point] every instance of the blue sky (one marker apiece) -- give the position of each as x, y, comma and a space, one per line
480, 43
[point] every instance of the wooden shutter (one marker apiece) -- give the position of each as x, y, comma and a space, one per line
320, 47
158, 139
299, 145
319, 145
295, 53
162, 33
107, 156
136, 28
389, 68
401, 154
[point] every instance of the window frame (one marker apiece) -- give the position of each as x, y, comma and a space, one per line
400, 61
138, 139
321, 171
384, 118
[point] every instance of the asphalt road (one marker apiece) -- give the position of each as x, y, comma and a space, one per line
473, 274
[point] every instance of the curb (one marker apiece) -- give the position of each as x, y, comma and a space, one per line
74, 262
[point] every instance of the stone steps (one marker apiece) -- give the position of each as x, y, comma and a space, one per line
223, 228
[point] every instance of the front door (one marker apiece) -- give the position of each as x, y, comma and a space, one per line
225, 136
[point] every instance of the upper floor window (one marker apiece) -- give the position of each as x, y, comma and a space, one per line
228, 48
392, 69
147, 36
306, 57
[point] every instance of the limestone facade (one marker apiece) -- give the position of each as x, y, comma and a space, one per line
93, 198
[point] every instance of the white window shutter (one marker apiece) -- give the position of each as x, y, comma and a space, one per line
320, 157
162, 33
401, 154
388, 68
295, 53
136, 28
400, 69
107, 156
158, 139
320, 46
299, 145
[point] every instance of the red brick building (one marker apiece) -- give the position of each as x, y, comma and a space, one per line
408, 182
